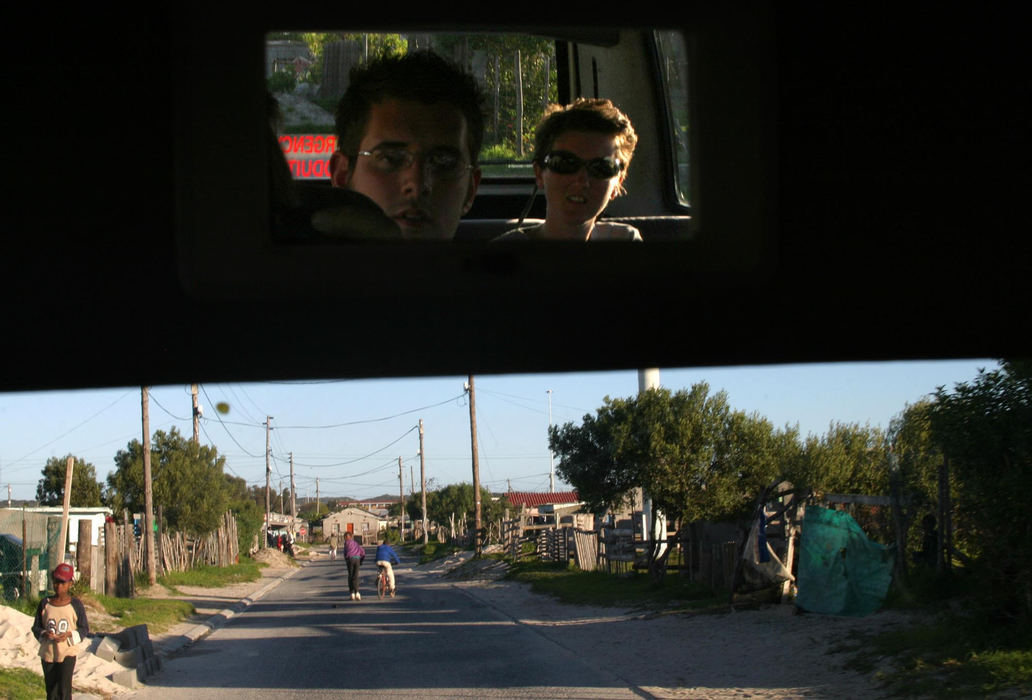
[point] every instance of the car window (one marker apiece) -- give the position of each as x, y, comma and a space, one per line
307, 72
673, 66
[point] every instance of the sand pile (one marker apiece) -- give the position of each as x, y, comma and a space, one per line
19, 649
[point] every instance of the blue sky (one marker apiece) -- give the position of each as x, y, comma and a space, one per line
349, 434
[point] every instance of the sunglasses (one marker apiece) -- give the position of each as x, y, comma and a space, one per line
565, 163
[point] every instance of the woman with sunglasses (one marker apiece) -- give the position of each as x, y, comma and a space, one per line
581, 154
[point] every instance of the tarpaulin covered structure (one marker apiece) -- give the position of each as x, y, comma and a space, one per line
841, 571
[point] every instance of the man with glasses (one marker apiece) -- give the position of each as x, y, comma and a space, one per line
581, 154
409, 131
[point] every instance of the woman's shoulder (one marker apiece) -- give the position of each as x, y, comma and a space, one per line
614, 231
518, 234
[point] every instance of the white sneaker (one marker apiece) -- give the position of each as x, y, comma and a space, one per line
352, 596
358, 596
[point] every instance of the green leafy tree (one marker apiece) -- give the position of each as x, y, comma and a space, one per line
187, 480
984, 428
86, 490
915, 459
695, 456
849, 458
457, 500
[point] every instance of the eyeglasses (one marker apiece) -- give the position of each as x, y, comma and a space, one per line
443, 165
566, 163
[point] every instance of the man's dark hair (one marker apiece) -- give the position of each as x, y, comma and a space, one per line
423, 76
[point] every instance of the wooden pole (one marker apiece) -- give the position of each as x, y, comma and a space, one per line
110, 559
268, 478
63, 540
401, 492
84, 552
148, 493
477, 546
422, 481
196, 415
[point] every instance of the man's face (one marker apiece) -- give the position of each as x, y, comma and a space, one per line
425, 205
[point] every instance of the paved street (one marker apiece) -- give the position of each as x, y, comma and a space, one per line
306, 638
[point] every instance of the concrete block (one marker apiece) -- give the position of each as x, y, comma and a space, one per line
130, 658
127, 678
107, 648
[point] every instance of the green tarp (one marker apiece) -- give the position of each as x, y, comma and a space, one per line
841, 571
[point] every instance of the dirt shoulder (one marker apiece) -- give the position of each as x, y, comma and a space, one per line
767, 653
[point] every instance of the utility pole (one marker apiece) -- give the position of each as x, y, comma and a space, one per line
293, 492
63, 542
148, 493
318, 505
401, 482
196, 415
551, 455
422, 480
478, 545
268, 478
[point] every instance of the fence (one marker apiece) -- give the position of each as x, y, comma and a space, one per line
112, 565
26, 543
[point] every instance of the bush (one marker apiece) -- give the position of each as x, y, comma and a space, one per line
498, 151
281, 81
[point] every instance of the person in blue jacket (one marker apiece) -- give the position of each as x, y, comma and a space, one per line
385, 557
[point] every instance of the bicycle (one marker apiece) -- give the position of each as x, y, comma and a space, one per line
383, 584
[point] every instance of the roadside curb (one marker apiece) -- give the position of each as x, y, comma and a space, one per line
175, 644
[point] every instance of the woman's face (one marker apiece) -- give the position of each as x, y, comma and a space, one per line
578, 198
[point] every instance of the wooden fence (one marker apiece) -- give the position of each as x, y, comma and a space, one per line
125, 554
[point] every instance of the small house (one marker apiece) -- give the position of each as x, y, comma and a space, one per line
365, 526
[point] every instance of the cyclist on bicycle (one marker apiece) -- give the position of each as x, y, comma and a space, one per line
385, 556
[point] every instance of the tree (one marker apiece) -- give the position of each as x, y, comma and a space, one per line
187, 480
984, 429
695, 456
86, 490
849, 458
457, 500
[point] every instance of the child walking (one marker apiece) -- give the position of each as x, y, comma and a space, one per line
60, 625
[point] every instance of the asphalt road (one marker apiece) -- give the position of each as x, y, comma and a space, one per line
307, 639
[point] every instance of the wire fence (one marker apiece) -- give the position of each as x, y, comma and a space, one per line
26, 543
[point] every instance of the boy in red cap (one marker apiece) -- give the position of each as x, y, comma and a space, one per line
60, 625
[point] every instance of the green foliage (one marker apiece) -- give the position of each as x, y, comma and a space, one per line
696, 457
849, 458
21, 684
457, 500
499, 151
215, 576
312, 512
281, 81
984, 429
570, 585
249, 520
952, 656
188, 482
86, 490
159, 614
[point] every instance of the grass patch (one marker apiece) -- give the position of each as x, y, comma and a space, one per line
159, 614
21, 684
432, 551
957, 655
570, 585
214, 576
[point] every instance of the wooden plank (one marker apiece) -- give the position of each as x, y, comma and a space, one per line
857, 498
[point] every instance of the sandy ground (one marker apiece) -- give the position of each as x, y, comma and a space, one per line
769, 653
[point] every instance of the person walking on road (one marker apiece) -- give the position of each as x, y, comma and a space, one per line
333, 546
354, 555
